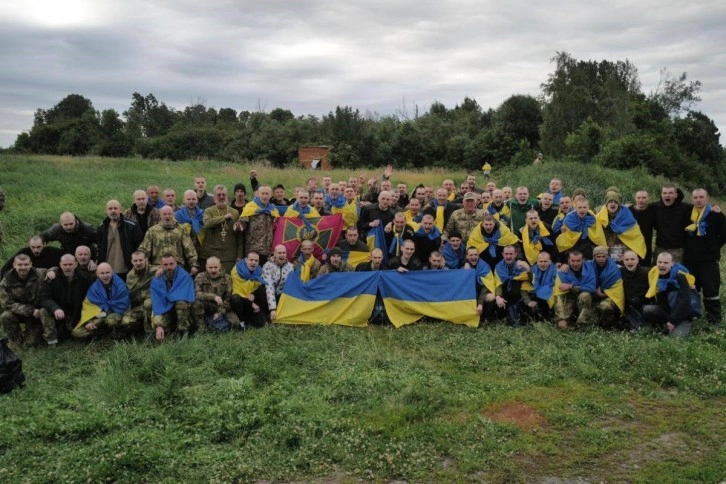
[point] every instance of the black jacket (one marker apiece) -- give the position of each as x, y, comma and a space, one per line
60, 294
130, 234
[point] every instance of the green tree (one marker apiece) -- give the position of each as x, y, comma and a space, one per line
520, 116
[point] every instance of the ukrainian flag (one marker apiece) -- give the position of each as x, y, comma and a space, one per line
355, 257
336, 298
446, 295
376, 239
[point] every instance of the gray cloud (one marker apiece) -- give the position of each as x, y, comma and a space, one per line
311, 56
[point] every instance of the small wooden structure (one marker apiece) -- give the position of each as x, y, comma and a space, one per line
314, 157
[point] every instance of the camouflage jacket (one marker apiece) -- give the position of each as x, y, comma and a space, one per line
176, 241
207, 288
463, 222
20, 296
139, 286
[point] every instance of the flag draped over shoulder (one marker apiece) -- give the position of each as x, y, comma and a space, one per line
376, 239
611, 282
544, 283
625, 227
448, 295
336, 298
533, 240
355, 257
98, 300
587, 281
256, 207
501, 237
245, 282
575, 228
323, 231
163, 299
656, 284
698, 218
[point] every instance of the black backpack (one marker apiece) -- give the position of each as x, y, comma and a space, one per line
11, 369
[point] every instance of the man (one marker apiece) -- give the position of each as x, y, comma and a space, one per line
249, 294
373, 215
491, 186
497, 208
168, 237
465, 219
61, 299
85, 263
635, 286
621, 229
396, 232
547, 209
564, 209
519, 207
538, 303
471, 180
191, 219
257, 221
706, 235
213, 289
402, 196
306, 264
221, 240
442, 209
275, 273
406, 261
334, 200
507, 191
537, 237
71, 233
374, 264
327, 181
155, 201
318, 203
485, 283
301, 207
609, 296
490, 237
138, 282
351, 209
351, 242
672, 216
204, 199
335, 263
435, 262
454, 251
169, 198
240, 192
554, 189
172, 297
106, 302
450, 188
645, 217
19, 289
670, 286
581, 231
574, 288
427, 238
420, 193
463, 190
413, 213
278, 196
509, 274
117, 237
141, 212
41, 256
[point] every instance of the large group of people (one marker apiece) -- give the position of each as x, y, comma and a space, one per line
207, 261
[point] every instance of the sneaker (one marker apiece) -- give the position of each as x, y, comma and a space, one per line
53, 344
242, 326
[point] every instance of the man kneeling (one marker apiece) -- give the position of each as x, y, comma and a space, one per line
105, 304
172, 296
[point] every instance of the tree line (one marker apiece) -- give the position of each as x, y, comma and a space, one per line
588, 111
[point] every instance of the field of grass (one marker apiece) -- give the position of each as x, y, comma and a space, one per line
428, 402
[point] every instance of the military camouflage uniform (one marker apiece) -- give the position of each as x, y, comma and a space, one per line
574, 303
176, 241
206, 289
181, 314
259, 233
314, 269
104, 322
18, 298
139, 314
463, 222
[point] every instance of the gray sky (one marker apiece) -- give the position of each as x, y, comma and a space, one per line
309, 56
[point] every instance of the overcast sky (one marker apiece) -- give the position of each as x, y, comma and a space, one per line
309, 56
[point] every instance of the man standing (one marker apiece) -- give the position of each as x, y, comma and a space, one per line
142, 212
118, 237
213, 292
240, 194
490, 237
464, 220
61, 300
107, 300
172, 297
155, 201
442, 209
536, 238
396, 232
18, 294
168, 237
519, 207
427, 238
41, 256
221, 239
71, 233
702, 252
170, 198
257, 221
373, 215
191, 219
301, 207
645, 217
204, 199
306, 264
672, 216
581, 231
454, 251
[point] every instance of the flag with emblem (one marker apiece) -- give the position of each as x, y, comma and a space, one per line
323, 231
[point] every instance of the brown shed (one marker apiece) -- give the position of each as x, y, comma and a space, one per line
315, 157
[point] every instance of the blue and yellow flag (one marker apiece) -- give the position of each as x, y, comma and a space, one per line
656, 284
625, 227
446, 295
376, 239
182, 289
338, 298
98, 300
575, 228
355, 257
611, 282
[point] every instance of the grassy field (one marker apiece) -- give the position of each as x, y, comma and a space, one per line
428, 402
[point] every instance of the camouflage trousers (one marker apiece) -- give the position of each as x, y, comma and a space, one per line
180, 318
138, 317
22, 330
104, 325
579, 306
54, 328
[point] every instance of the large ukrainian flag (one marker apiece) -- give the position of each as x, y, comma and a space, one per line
446, 295
336, 298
